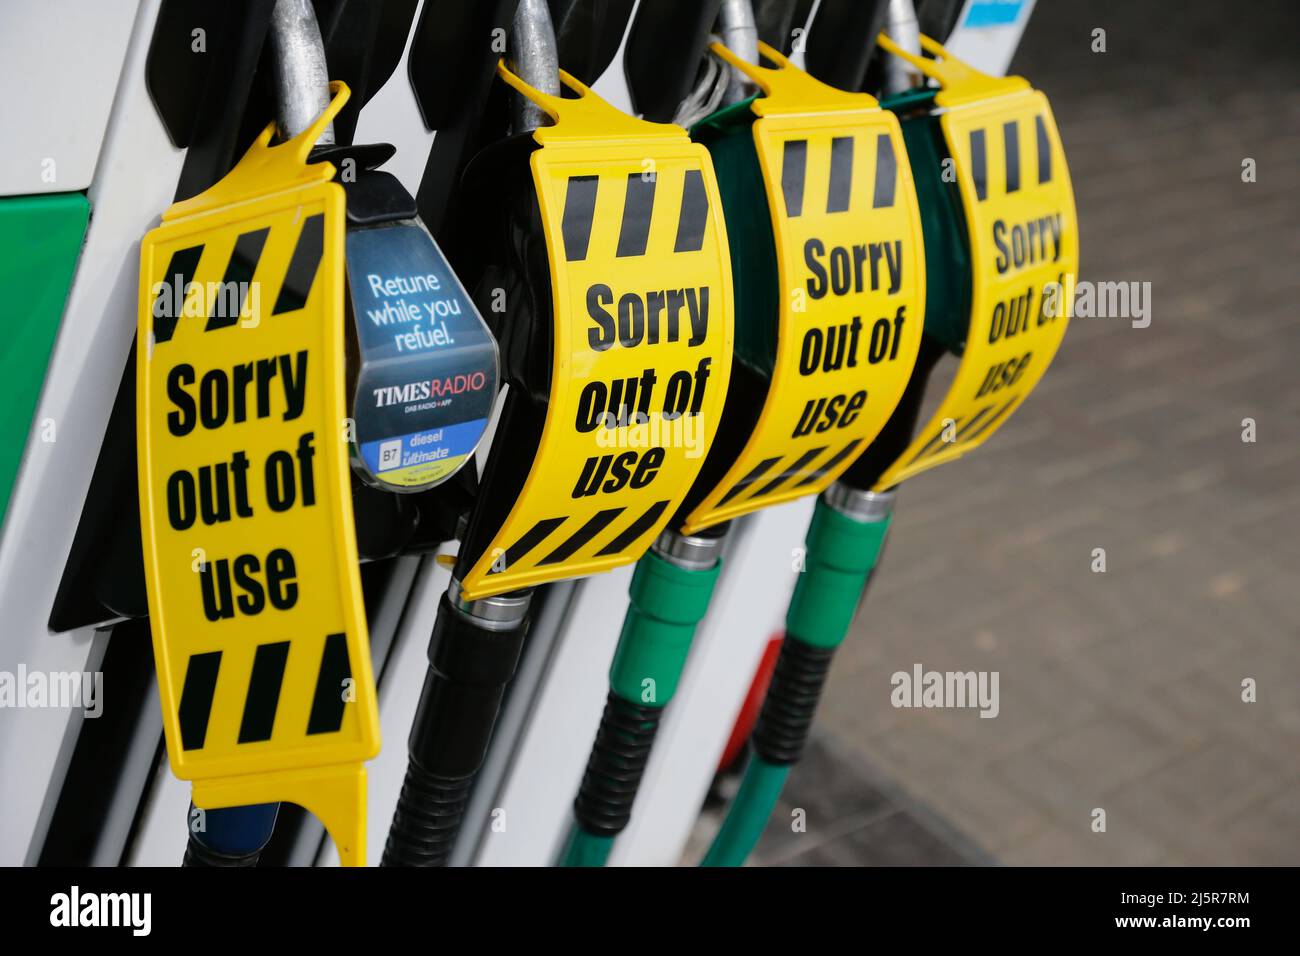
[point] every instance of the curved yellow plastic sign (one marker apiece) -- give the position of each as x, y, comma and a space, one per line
642, 303
1024, 240
852, 287
250, 555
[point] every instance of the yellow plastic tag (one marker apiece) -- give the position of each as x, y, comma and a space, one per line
250, 555
1024, 240
641, 285
852, 286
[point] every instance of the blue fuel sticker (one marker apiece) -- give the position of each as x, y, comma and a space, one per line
427, 371
423, 457
992, 13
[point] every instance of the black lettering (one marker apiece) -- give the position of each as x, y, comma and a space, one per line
280, 491
280, 584
811, 352
591, 407
832, 413
214, 399
601, 337
239, 471
305, 454
841, 277
677, 395
817, 280
999, 232
654, 304
253, 599
180, 422
647, 468
812, 411
697, 308
214, 493
593, 472
618, 471
214, 581
295, 385
855, 403
243, 378
631, 320
180, 500
701, 376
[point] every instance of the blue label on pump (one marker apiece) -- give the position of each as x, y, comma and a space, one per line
427, 375
993, 13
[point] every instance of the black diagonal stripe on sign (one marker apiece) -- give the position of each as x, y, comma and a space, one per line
531, 539
638, 206
229, 300
580, 537
886, 173
979, 164
579, 208
934, 440
263, 692
794, 165
1011, 148
759, 470
695, 214
991, 420
796, 469
196, 698
840, 190
637, 528
329, 700
176, 281
830, 463
302, 266
1044, 150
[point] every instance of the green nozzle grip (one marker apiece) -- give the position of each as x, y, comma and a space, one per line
668, 603
841, 553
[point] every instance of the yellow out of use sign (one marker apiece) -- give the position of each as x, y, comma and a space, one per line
852, 286
642, 338
1024, 241
250, 555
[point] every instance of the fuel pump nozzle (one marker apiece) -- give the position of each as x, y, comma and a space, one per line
476, 644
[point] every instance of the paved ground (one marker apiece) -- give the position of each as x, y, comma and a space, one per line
1119, 690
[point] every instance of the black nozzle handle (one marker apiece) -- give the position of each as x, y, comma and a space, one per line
469, 667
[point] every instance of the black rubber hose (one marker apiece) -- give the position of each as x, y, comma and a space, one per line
198, 855
616, 766
469, 668
791, 702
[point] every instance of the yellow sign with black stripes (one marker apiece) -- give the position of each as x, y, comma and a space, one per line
250, 554
1024, 241
852, 287
641, 288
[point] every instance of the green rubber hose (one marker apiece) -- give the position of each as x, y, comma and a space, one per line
759, 789
667, 604
586, 849
841, 553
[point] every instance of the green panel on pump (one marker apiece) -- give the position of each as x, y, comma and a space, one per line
40, 239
